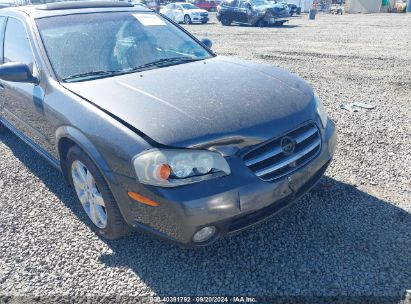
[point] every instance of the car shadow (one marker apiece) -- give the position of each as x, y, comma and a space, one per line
336, 241
284, 26
199, 23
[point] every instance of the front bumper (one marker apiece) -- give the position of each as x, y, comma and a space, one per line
273, 19
230, 203
200, 19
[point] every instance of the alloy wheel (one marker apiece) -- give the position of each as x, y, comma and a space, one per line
88, 193
187, 19
225, 21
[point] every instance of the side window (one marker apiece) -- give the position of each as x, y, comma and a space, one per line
16, 44
2, 20
242, 4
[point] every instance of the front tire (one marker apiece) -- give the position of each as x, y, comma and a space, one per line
95, 196
225, 21
260, 23
187, 19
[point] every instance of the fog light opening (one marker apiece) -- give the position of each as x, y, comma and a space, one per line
204, 234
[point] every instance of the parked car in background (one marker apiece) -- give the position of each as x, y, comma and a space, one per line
185, 12
252, 12
400, 6
336, 9
11, 3
5, 5
152, 4
208, 5
137, 3
113, 96
292, 9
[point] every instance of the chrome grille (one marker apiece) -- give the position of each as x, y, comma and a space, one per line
269, 161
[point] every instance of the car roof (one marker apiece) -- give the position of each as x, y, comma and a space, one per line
75, 7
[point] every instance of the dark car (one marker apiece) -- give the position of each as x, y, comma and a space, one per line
292, 9
252, 12
152, 4
112, 95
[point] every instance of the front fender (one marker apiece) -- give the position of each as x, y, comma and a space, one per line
86, 145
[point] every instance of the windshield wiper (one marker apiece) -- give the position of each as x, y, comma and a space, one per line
160, 62
164, 62
92, 74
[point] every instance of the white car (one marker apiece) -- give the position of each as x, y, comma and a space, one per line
185, 12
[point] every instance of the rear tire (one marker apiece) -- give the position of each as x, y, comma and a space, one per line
203, 22
187, 19
104, 218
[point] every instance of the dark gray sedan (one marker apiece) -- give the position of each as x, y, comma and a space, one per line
114, 96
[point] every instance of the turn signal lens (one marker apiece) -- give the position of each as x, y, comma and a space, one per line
142, 199
164, 171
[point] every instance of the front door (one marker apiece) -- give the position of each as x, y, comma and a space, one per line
242, 11
23, 102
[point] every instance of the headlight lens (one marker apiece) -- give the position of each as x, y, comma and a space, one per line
171, 168
321, 110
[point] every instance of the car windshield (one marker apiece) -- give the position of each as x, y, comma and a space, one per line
260, 2
188, 6
87, 46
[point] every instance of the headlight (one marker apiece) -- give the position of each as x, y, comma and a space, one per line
320, 110
171, 168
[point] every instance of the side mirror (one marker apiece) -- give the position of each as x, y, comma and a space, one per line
17, 72
207, 42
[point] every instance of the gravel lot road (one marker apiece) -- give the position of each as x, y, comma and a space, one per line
350, 236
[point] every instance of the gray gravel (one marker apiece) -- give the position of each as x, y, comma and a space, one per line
350, 236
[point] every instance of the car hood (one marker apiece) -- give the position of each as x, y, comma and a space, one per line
218, 103
198, 10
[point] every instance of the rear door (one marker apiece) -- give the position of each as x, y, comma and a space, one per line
23, 102
168, 11
178, 13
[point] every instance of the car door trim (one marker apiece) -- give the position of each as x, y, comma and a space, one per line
26, 125
54, 162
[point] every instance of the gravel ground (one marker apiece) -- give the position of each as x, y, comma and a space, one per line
349, 237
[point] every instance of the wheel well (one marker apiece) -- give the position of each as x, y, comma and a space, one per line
63, 146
